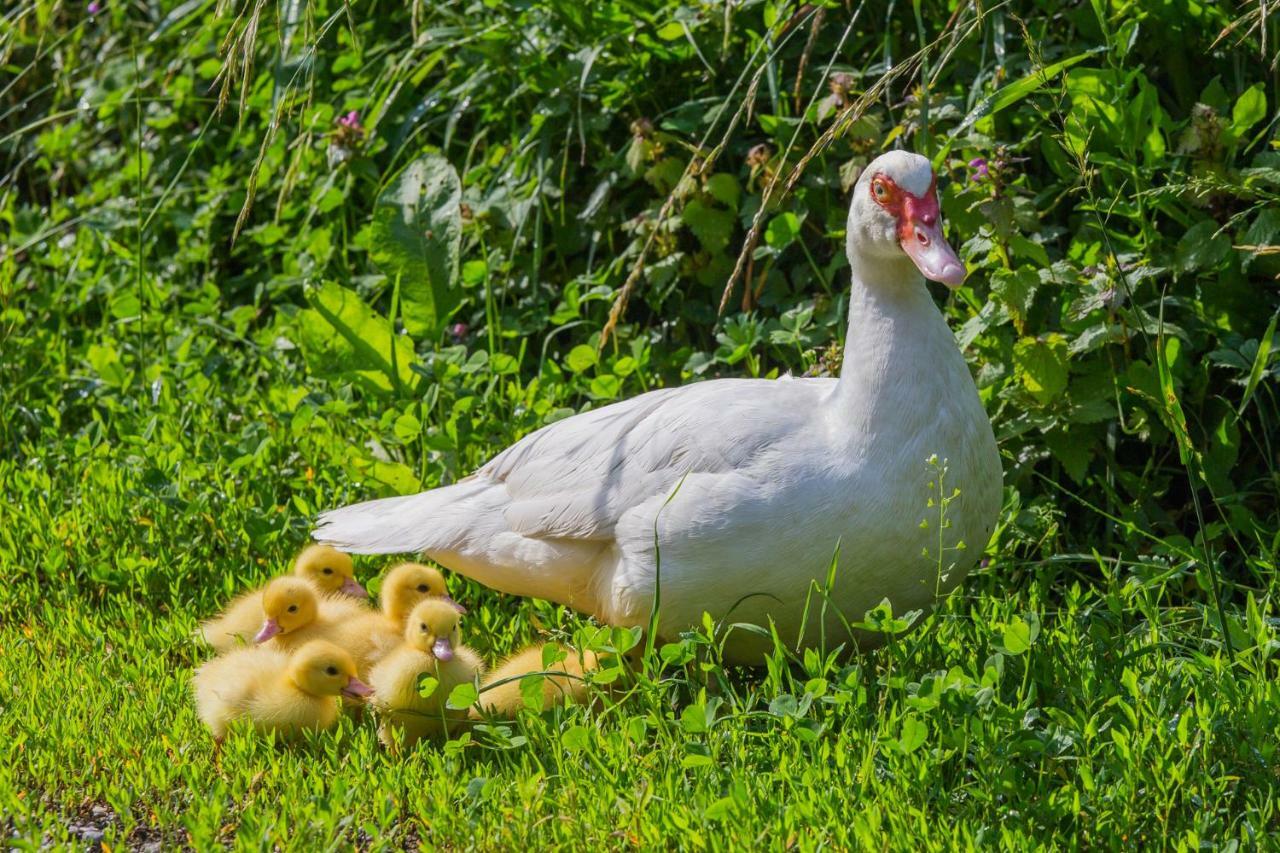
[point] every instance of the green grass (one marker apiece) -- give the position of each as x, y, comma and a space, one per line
209, 331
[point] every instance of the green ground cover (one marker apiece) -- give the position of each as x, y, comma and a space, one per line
215, 322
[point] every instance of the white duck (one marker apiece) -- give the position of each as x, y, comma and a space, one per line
740, 490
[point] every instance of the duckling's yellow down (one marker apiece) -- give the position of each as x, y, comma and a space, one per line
326, 568
276, 691
431, 646
500, 695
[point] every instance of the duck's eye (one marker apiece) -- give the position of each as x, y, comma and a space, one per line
293, 608
422, 587
328, 571
881, 191
330, 670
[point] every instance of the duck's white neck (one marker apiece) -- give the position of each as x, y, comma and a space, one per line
894, 327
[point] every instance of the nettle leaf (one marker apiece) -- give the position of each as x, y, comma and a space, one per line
1042, 366
712, 226
416, 237
724, 188
1016, 289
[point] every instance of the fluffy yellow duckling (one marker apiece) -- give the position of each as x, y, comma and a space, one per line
275, 691
501, 696
327, 568
375, 635
293, 614
431, 646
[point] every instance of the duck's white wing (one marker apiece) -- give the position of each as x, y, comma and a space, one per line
569, 482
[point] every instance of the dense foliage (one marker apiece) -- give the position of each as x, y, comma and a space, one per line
264, 259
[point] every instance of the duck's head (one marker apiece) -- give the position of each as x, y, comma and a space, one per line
288, 603
433, 627
409, 583
329, 569
894, 216
322, 669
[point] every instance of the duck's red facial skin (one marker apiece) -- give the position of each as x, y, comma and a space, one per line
920, 229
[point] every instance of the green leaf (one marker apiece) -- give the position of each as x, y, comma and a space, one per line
1016, 637
782, 230
711, 225
341, 335
416, 236
1016, 290
1202, 247
581, 358
1250, 108
1017, 90
576, 738
724, 188
105, 361
531, 692
606, 386
1042, 366
427, 686
914, 732
1259, 364
462, 696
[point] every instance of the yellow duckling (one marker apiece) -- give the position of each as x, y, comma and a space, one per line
293, 614
376, 635
500, 695
275, 691
327, 568
431, 646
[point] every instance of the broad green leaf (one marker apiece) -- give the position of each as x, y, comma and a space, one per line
711, 225
1250, 108
427, 686
1042, 366
606, 386
576, 738
105, 361
416, 235
782, 230
341, 335
462, 696
914, 732
724, 188
581, 357
1202, 247
531, 692
1016, 637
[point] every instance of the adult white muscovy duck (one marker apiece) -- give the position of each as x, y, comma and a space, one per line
740, 490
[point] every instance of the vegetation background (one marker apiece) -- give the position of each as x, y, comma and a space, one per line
260, 259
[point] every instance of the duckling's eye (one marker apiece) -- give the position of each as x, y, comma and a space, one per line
293, 608
422, 587
330, 670
422, 625
328, 571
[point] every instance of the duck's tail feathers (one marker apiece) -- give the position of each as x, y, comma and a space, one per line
407, 524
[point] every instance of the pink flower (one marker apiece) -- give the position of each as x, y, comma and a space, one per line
458, 331
94, 7
351, 121
979, 167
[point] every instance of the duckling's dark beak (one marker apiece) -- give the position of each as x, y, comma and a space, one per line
443, 649
356, 689
456, 606
269, 629
352, 588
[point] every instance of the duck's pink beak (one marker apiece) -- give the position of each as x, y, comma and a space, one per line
353, 589
269, 629
443, 649
920, 234
357, 689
